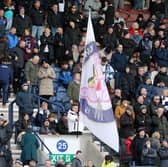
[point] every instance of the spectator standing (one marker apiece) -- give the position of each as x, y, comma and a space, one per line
161, 77
17, 55
60, 44
108, 162
76, 162
3, 23
127, 123
22, 21
74, 87
29, 145
9, 10
31, 73
6, 73
24, 99
143, 119
54, 19
30, 43
160, 123
108, 72
46, 75
118, 62
163, 153
5, 136
149, 154
38, 16
48, 163
137, 145
47, 46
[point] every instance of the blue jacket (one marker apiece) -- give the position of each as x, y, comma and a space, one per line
119, 61
6, 73
12, 40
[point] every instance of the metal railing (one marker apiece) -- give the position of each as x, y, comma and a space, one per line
38, 99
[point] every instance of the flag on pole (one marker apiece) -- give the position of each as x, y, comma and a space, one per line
95, 104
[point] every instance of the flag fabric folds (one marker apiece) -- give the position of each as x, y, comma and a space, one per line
95, 104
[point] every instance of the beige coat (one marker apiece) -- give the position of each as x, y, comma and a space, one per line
46, 76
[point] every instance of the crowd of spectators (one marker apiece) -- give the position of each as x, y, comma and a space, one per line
42, 52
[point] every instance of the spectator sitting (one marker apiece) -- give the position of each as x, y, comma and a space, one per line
42, 114
53, 123
12, 38
62, 124
44, 130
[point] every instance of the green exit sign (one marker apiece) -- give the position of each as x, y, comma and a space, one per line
66, 157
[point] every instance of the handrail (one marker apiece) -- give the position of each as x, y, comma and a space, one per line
10, 108
43, 143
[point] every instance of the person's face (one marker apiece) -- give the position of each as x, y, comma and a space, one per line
140, 99
45, 65
75, 108
120, 48
55, 8
125, 103
27, 32
160, 111
60, 30
32, 163
22, 11
37, 4
89, 163
1, 13
141, 71
77, 77
36, 60
157, 44
47, 31
26, 117
47, 163
44, 106
157, 99
118, 92
142, 133
163, 69
73, 9
110, 30
148, 81
78, 155
143, 92
25, 87
13, 31
101, 22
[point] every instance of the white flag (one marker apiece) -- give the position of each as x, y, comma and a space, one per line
95, 104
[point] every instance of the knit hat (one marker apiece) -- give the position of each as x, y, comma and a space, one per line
143, 107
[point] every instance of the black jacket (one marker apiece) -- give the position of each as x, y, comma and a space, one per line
21, 24
161, 77
54, 19
37, 16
